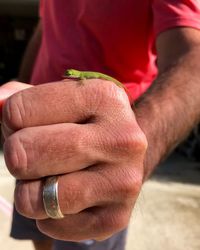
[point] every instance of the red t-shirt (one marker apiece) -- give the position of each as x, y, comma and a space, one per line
113, 37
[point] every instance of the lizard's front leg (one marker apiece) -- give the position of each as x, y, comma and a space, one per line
82, 80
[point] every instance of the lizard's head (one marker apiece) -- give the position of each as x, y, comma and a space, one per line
72, 73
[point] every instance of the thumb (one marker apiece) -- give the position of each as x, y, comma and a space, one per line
9, 89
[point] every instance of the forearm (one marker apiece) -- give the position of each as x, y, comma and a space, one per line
170, 109
30, 56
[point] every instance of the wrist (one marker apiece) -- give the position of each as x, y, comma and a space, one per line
155, 128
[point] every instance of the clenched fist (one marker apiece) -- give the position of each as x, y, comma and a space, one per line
88, 135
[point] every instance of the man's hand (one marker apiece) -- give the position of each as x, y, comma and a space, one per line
89, 136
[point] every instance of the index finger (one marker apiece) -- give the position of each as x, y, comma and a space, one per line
58, 102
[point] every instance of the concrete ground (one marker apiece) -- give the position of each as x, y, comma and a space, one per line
166, 216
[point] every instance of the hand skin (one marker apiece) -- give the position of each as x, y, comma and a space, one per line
95, 144
62, 128
10, 88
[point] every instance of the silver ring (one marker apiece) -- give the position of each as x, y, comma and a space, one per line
50, 198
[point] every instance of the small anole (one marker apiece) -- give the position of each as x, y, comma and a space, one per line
76, 74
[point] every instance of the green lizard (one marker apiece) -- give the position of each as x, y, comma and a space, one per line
72, 73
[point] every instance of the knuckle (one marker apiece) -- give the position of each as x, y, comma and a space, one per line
105, 92
130, 186
117, 221
115, 93
121, 220
142, 143
6, 132
20, 198
24, 200
14, 111
133, 142
15, 156
128, 191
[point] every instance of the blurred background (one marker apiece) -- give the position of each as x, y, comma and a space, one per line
167, 213
17, 22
